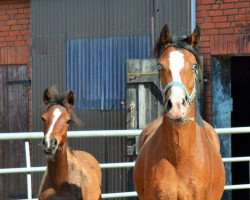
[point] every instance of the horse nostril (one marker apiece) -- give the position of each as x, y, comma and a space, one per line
54, 143
44, 142
183, 102
169, 105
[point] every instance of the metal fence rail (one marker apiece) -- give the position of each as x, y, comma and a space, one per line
26, 136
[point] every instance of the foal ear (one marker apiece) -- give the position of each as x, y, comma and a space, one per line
165, 36
46, 96
71, 98
194, 38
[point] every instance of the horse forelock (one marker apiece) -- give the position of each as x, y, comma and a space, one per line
61, 99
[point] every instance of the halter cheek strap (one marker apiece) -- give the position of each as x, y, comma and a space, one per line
190, 97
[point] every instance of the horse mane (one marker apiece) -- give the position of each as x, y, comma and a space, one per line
182, 43
61, 99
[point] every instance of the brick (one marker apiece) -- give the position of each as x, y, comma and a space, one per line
215, 13
205, 50
12, 11
202, 13
4, 28
4, 17
20, 5
229, 1
200, 20
242, 17
11, 22
215, 7
2, 12
10, 38
227, 5
15, 27
243, 11
22, 16
231, 18
222, 25
204, 44
207, 25
207, 1
14, 32
203, 7
231, 12
226, 31
220, 19
240, 24
4, 33
23, 21
209, 19
20, 43
25, 32
242, 4
19, 37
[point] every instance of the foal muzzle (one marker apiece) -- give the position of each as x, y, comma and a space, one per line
50, 147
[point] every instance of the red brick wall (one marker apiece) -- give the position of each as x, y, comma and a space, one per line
15, 34
225, 26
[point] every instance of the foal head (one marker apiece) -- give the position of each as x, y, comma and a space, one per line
178, 62
56, 119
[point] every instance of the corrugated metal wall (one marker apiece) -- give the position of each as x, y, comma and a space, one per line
63, 33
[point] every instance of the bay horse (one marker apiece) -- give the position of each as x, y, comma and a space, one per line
179, 153
70, 175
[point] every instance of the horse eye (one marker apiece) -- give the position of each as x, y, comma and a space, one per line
160, 66
68, 122
195, 67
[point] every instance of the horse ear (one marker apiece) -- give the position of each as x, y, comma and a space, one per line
71, 98
165, 36
46, 96
194, 38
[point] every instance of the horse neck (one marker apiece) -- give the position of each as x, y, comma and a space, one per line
58, 168
179, 137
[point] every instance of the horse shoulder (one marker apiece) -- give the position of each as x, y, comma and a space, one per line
148, 131
90, 173
213, 136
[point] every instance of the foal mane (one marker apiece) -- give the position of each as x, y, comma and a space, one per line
61, 99
182, 43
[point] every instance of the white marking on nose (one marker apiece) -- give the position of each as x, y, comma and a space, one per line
56, 115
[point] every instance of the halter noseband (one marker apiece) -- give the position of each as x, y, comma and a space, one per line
190, 97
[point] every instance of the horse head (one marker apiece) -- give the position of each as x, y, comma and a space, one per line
56, 119
178, 63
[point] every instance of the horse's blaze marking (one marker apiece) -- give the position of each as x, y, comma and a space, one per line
176, 64
56, 115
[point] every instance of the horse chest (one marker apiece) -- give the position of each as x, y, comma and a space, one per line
164, 181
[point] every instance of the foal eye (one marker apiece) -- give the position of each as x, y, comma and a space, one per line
68, 122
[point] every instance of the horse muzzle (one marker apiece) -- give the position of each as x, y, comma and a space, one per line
50, 146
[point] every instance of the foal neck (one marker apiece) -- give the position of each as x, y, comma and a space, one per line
58, 168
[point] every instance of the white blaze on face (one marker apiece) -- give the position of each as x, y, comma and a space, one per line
56, 115
176, 64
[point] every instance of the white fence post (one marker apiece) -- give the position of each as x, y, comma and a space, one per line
27, 153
